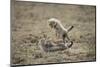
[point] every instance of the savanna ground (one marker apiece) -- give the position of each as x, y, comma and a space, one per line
29, 22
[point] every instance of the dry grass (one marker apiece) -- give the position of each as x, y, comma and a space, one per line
30, 22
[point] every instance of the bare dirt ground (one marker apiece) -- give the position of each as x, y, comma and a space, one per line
30, 22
